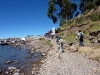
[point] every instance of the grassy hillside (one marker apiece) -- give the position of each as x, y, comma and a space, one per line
88, 22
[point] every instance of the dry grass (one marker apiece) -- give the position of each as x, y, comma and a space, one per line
91, 52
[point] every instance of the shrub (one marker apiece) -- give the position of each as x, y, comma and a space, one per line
90, 5
58, 30
98, 17
41, 39
94, 17
48, 42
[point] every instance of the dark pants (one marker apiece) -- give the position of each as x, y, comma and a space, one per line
52, 36
61, 47
81, 42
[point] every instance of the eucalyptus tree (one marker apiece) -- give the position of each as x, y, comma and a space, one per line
88, 4
61, 10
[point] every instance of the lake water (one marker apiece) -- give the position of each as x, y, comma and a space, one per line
10, 53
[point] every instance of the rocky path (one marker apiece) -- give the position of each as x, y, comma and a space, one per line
68, 64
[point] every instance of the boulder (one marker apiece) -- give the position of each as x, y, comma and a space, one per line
33, 72
1, 71
16, 62
91, 38
8, 62
98, 40
17, 70
7, 72
16, 73
95, 70
11, 68
32, 52
74, 48
43, 54
71, 43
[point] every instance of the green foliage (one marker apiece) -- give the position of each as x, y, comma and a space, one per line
99, 17
58, 30
90, 5
97, 2
95, 7
41, 39
92, 41
94, 17
58, 9
48, 42
95, 27
62, 22
51, 9
70, 37
61, 34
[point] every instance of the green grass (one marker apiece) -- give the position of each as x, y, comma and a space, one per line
61, 34
70, 37
95, 17
95, 27
41, 39
48, 42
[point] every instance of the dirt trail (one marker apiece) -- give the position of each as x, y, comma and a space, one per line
68, 64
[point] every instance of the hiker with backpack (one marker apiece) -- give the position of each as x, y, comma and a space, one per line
57, 39
80, 37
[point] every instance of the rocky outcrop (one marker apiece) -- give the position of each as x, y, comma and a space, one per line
38, 45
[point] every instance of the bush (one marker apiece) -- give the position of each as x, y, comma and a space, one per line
48, 42
90, 5
41, 39
94, 17
58, 30
98, 17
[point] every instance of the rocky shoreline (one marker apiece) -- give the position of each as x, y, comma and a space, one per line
34, 46
53, 63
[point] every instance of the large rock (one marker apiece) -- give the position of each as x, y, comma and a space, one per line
17, 70
95, 70
1, 71
16, 73
8, 62
91, 38
98, 40
71, 43
43, 54
74, 48
11, 68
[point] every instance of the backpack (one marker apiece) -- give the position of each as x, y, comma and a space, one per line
58, 38
81, 36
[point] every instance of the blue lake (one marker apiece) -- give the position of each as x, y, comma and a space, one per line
10, 53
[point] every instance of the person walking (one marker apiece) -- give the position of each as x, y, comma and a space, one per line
61, 45
80, 38
52, 35
57, 39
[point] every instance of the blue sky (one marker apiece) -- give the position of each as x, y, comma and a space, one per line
19, 18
